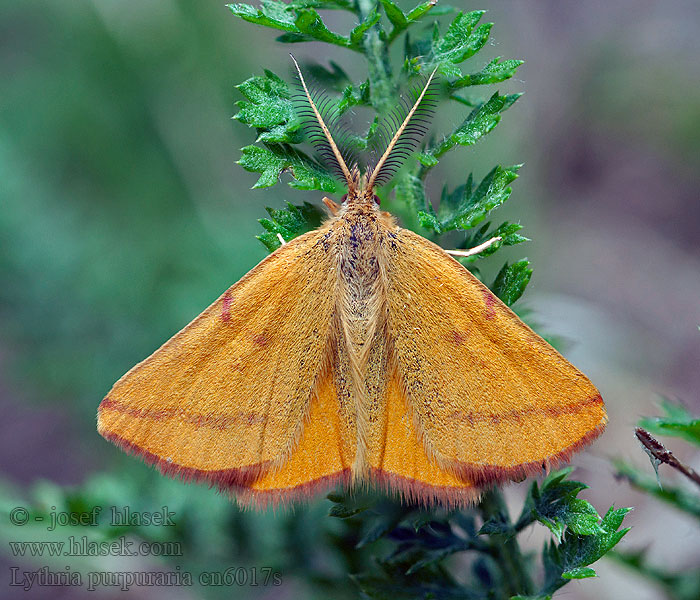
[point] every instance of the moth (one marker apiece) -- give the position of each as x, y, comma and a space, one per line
358, 353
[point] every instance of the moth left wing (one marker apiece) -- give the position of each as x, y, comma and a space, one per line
491, 400
225, 400
320, 461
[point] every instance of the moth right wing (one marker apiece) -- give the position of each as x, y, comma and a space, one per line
225, 399
490, 399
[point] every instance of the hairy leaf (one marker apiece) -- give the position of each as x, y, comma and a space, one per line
400, 21
462, 40
354, 96
483, 119
579, 573
271, 14
289, 223
409, 190
358, 33
310, 27
555, 505
466, 207
578, 551
272, 161
494, 72
269, 109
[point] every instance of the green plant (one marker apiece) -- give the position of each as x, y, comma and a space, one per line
677, 422
109, 244
420, 543
413, 548
269, 108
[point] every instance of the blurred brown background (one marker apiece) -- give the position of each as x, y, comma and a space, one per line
122, 213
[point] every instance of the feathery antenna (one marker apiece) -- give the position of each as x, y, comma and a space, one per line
351, 181
398, 148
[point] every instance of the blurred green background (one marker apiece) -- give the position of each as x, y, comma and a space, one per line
123, 215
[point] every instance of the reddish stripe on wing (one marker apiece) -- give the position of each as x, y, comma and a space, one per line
226, 307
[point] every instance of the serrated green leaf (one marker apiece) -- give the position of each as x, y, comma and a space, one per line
428, 220
272, 161
506, 231
353, 96
582, 517
556, 527
358, 33
466, 207
427, 160
325, 4
431, 5
271, 14
491, 193
483, 119
576, 552
512, 280
289, 223
498, 525
484, 234
579, 573
400, 21
394, 14
269, 109
613, 519
461, 40
310, 24
591, 547
494, 72
546, 502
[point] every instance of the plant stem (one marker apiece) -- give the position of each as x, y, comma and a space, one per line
381, 87
659, 452
505, 549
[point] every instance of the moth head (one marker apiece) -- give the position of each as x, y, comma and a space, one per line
400, 134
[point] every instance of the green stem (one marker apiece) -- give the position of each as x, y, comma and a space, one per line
380, 79
505, 549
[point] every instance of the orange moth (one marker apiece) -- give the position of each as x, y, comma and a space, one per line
356, 353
